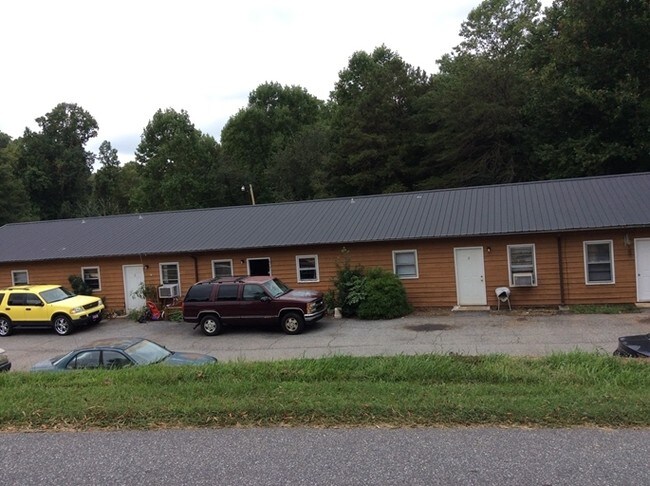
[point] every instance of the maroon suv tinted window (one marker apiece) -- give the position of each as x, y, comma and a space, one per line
253, 292
227, 292
199, 293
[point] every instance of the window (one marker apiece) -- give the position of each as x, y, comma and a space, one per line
221, 268
227, 292
405, 263
169, 273
90, 275
114, 359
199, 293
84, 360
23, 299
521, 265
307, 267
253, 292
599, 262
19, 277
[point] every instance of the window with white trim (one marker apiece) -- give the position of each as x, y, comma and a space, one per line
169, 273
307, 268
405, 263
221, 268
19, 277
90, 275
599, 262
522, 267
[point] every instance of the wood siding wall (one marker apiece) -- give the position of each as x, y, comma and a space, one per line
559, 280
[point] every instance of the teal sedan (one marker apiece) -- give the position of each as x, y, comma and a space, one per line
119, 353
5, 364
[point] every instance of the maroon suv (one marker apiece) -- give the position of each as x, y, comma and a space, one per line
214, 303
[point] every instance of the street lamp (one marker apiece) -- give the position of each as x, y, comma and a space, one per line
250, 189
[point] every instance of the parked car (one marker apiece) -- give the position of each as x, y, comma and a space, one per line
634, 346
47, 306
118, 353
5, 364
214, 303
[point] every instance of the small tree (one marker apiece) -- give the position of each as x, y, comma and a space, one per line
384, 296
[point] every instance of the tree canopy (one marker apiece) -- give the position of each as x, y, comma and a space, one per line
526, 95
54, 164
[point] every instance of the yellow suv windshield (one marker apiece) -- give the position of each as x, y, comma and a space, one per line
55, 295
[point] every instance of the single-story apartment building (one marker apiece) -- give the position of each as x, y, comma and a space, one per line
557, 242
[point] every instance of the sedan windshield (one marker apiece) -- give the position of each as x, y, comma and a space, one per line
276, 287
55, 295
147, 352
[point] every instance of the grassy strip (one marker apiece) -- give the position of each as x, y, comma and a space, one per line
428, 390
604, 309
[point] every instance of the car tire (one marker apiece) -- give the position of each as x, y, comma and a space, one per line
292, 323
5, 326
211, 325
62, 325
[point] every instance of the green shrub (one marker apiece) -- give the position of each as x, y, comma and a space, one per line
384, 296
175, 315
348, 287
79, 286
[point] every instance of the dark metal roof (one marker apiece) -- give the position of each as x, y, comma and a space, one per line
550, 206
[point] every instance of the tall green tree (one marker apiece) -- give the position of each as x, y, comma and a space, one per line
296, 173
589, 106
474, 112
53, 163
109, 195
178, 166
15, 204
374, 122
272, 122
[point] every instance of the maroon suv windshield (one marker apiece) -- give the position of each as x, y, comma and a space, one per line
276, 287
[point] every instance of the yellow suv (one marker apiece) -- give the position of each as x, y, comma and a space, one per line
46, 306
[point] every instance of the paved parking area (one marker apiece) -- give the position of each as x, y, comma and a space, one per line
532, 333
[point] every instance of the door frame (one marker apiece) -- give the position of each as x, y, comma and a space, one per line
637, 270
127, 297
248, 264
479, 251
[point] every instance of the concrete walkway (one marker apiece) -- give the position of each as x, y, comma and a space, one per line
533, 333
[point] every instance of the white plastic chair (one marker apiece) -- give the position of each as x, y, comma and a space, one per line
503, 295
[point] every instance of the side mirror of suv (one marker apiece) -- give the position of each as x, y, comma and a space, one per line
265, 298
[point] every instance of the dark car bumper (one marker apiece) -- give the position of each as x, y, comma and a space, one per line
634, 346
5, 366
315, 316
94, 318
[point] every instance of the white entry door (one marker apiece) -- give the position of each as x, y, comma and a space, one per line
642, 252
133, 279
470, 276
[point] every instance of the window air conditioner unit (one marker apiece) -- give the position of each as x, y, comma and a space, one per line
168, 291
522, 279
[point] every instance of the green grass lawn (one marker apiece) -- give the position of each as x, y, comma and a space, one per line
575, 389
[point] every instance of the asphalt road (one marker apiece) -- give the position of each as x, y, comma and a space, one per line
532, 333
473, 456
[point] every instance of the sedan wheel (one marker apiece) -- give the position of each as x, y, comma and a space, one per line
211, 325
5, 326
62, 325
292, 323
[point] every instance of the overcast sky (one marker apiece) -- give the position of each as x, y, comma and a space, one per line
121, 60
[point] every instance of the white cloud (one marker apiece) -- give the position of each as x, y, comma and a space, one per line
123, 60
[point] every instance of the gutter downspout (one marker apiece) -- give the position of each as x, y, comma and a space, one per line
560, 264
196, 268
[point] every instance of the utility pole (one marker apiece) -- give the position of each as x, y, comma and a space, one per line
250, 190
